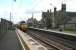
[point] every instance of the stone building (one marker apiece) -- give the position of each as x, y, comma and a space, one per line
66, 18
71, 20
59, 18
46, 19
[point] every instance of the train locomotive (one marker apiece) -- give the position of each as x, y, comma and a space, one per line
22, 26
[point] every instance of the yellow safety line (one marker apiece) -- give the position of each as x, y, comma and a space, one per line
21, 42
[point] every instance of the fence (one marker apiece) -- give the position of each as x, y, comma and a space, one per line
5, 25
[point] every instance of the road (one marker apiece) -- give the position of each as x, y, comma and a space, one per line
10, 41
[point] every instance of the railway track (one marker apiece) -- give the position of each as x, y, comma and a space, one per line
51, 41
49, 47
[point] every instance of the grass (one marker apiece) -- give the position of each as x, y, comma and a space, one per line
70, 29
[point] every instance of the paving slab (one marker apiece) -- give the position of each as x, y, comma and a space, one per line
10, 41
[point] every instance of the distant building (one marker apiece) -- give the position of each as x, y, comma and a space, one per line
32, 22
71, 20
46, 19
59, 18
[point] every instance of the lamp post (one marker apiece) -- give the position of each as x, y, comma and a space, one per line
10, 17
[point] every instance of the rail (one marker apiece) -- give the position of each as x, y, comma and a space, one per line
29, 41
68, 38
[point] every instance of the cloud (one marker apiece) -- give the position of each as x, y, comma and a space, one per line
21, 7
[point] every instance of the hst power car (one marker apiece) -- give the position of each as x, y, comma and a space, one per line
22, 26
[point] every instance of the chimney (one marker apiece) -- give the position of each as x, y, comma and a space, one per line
63, 7
48, 11
54, 9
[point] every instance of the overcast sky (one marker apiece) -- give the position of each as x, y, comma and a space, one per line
22, 9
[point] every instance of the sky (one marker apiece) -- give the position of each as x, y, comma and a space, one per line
23, 9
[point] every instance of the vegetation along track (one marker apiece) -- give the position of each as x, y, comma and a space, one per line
57, 43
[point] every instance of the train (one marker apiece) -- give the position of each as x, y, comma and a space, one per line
23, 26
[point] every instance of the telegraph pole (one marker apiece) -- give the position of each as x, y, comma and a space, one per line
10, 16
32, 19
11, 12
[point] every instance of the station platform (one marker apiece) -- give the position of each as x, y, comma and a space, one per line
59, 32
10, 41
31, 43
